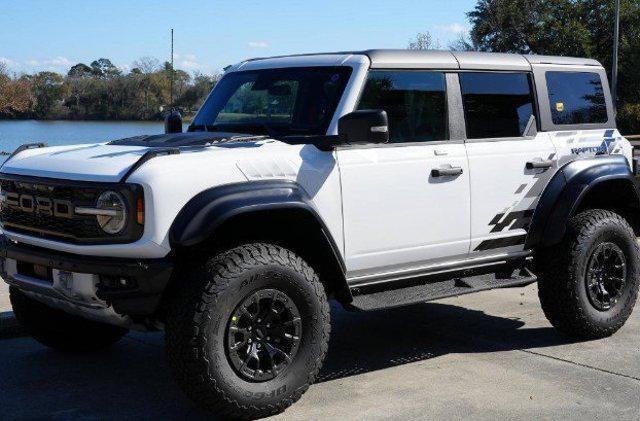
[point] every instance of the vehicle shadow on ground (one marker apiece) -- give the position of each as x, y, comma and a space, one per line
368, 341
132, 380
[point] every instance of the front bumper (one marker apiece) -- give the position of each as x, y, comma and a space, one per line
97, 287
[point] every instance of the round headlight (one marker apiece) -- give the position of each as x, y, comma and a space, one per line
114, 218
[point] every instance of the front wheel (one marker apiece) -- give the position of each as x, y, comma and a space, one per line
249, 332
588, 285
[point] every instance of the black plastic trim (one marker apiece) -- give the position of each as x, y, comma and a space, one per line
207, 211
130, 192
146, 157
566, 190
24, 148
151, 275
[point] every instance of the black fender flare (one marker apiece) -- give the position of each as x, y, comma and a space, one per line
207, 211
567, 189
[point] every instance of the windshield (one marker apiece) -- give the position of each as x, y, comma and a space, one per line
298, 101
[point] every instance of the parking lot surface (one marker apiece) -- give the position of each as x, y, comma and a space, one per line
483, 356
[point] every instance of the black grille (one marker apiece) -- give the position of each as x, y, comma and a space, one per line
77, 229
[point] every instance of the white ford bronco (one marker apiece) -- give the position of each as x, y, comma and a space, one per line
378, 178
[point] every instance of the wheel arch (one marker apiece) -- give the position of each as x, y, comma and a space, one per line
274, 211
603, 182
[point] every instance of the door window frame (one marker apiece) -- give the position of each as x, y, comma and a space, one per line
453, 104
536, 106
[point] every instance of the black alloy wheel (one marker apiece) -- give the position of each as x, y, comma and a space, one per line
263, 335
606, 276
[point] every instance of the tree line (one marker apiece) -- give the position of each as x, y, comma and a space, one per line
581, 28
101, 91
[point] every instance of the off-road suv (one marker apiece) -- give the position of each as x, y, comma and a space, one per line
375, 178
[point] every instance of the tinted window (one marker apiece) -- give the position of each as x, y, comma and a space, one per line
496, 104
286, 102
415, 103
576, 98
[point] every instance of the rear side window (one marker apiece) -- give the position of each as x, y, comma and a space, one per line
576, 98
415, 103
496, 104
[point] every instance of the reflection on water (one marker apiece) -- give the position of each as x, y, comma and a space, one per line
14, 133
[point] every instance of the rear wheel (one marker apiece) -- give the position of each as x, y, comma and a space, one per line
60, 330
249, 332
588, 284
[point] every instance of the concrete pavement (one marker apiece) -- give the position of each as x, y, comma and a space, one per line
484, 356
5, 305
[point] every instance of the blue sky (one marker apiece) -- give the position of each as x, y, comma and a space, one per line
53, 35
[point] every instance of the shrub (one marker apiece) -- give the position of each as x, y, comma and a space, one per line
629, 119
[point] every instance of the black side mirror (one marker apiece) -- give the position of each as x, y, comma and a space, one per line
173, 122
364, 126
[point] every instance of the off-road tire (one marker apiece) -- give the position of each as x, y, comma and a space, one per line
562, 276
198, 320
60, 330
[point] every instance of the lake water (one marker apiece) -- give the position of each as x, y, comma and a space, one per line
15, 133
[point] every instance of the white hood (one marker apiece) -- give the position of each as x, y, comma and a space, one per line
92, 162
104, 162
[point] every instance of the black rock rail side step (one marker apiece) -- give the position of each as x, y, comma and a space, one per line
441, 289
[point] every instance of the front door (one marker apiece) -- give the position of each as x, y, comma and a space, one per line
405, 204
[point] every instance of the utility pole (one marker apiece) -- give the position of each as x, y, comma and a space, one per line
616, 47
172, 71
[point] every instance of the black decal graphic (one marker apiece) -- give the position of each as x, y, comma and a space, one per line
501, 242
519, 219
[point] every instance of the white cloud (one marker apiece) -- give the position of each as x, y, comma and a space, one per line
8, 62
58, 61
454, 28
124, 68
187, 57
258, 44
33, 63
187, 62
189, 65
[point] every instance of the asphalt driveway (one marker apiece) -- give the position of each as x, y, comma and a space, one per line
484, 356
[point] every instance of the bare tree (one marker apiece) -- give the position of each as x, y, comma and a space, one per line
423, 41
146, 65
462, 43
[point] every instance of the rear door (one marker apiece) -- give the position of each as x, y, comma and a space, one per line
400, 210
510, 163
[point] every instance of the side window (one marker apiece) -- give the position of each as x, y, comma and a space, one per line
496, 104
576, 98
415, 103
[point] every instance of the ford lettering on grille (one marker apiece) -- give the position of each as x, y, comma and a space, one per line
39, 204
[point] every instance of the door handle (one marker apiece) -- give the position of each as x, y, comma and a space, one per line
541, 163
446, 172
